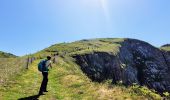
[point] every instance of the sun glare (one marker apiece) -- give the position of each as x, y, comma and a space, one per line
103, 4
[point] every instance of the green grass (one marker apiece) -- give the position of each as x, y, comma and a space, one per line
66, 82
165, 48
9, 67
110, 45
6, 55
66, 79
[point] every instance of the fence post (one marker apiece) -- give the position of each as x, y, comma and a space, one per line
55, 59
27, 62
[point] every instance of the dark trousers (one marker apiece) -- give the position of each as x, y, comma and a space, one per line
44, 82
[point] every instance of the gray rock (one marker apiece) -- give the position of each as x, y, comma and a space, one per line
137, 62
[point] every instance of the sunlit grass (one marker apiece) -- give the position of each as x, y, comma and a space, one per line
165, 48
66, 79
10, 67
66, 82
110, 45
6, 55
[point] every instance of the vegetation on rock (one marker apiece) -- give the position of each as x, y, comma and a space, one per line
67, 81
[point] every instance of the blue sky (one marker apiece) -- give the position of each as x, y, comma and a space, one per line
27, 26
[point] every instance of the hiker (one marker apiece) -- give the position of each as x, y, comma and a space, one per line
45, 69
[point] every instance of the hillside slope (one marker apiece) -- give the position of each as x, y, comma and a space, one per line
10, 67
123, 60
6, 55
136, 62
166, 47
67, 82
96, 69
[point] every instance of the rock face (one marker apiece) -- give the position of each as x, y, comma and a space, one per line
137, 62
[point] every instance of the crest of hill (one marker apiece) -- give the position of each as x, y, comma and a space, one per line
166, 47
110, 45
111, 61
7, 55
85, 46
134, 59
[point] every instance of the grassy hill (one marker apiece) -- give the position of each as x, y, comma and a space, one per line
67, 82
166, 47
6, 55
66, 79
82, 47
11, 67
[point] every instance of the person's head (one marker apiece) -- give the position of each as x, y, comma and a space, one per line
48, 57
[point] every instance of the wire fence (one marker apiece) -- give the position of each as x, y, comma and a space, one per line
13, 66
10, 67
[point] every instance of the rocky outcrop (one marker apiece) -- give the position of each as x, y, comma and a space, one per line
137, 62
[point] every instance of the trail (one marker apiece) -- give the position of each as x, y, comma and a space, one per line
62, 85
66, 82
26, 86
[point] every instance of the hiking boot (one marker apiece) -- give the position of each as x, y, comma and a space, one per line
41, 93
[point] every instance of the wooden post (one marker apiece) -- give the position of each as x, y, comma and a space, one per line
27, 62
55, 59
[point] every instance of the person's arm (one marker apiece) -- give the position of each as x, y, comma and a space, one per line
50, 65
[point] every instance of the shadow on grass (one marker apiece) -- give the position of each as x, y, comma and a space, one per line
34, 97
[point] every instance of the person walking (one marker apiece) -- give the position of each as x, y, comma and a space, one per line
45, 68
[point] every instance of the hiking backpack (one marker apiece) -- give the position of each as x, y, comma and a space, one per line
41, 65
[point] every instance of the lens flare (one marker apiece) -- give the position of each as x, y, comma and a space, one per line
105, 8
